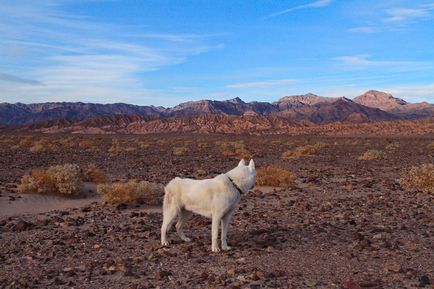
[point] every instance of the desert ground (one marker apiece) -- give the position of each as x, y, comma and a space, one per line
343, 223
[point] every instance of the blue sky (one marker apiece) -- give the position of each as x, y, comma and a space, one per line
165, 52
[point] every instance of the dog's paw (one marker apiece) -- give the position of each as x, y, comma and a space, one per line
226, 248
215, 249
165, 243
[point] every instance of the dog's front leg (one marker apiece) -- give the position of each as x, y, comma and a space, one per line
214, 233
225, 226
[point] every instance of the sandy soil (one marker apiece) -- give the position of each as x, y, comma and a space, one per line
344, 224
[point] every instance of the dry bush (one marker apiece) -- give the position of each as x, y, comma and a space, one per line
43, 146
68, 142
235, 149
371, 155
87, 145
143, 144
118, 147
430, 146
420, 178
178, 151
26, 141
202, 145
276, 142
393, 145
306, 150
63, 179
274, 176
93, 174
140, 192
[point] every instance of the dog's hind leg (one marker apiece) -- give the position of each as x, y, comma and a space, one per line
169, 215
225, 226
183, 217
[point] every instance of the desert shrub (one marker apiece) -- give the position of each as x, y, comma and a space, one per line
371, 155
178, 151
26, 141
43, 146
68, 142
430, 146
140, 192
118, 147
235, 149
420, 178
274, 176
202, 145
87, 145
392, 146
276, 142
93, 174
143, 144
64, 179
306, 150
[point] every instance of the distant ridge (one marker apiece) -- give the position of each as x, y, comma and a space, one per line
370, 106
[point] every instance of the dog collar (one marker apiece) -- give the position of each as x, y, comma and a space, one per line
236, 187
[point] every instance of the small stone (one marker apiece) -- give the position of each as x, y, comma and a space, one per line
96, 246
424, 280
393, 268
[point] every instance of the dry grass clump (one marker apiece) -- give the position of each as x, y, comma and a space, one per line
371, 155
118, 147
202, 145
43, 146
63, 179
179, 151
140, 192
274, 176
93, 174
235, 149
420, 178
143, 144
430, 146
87, 145
393, 145
306, 150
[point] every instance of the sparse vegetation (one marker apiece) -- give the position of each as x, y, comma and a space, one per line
235, 149
420, 178
118, 147
87, 145
93, 174
43, 146
307, 150
430, 146
62, 179
371, 155
179, 151
274, 176
140, 192
392, 146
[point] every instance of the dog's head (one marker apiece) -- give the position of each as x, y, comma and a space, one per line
244, 175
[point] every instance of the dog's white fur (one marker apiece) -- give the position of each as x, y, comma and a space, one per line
214, 198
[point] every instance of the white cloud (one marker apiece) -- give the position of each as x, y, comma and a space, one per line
315, 4
404, 14
364, 61
261, 83
363, 29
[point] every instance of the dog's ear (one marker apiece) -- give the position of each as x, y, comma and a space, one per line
252, 165
242, 163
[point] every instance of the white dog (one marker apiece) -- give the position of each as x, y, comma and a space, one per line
214, 198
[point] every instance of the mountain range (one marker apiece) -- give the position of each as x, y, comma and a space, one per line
309, 108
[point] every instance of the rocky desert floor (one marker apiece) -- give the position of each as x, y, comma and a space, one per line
344, 223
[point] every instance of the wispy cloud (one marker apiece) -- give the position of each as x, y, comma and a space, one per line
399, 15
364, 61
261, 83
75, 58
315, 4
363, 29
12, 78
